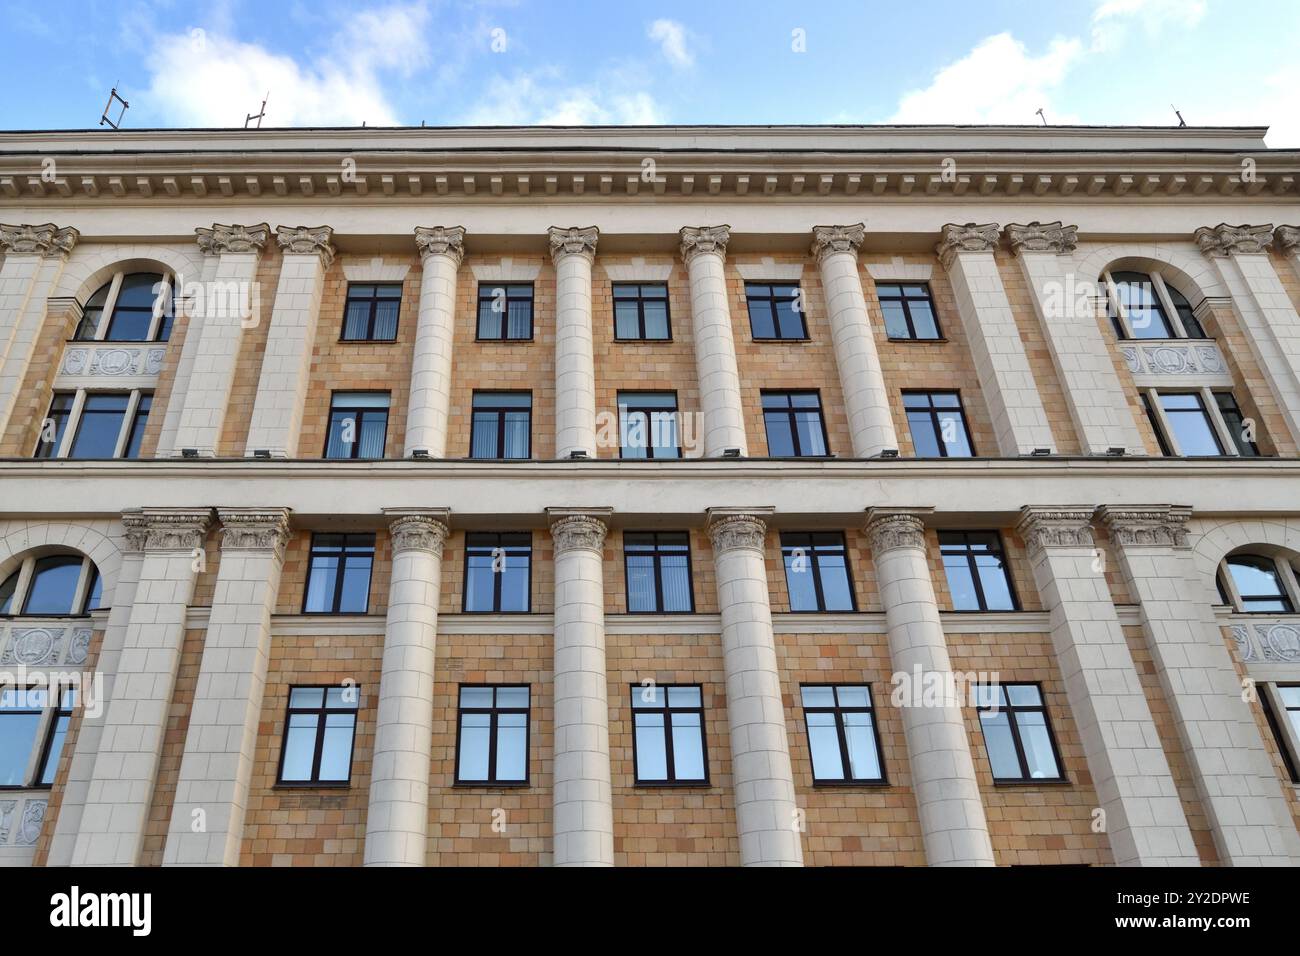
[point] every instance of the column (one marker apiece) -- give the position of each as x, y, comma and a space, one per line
573, 250
1233, 772
766, 810
1080, 353
290, 341
1240, 256
1144, 817
953, 825
126, 767
863, 383
34, 257
583, 818
1019, 420
230, 305
397, 823
207, 822
704, 249
187, 304
441, 252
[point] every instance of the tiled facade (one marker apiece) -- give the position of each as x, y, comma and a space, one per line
1152, 697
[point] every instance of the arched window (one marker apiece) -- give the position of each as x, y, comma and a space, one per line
132, 307
53, 585
1144, 306
1256, 584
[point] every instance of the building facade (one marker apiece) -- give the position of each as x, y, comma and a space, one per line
649, 496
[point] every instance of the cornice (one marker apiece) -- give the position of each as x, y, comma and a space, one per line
1225, 240
307, 241
47, 241
441, 241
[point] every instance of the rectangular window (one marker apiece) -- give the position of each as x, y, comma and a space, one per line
29, 718
668, 735
492, 735
817, 571
371, 312
100, 425
505, 311
976, 568
658, 566
647, 425
338, 574
319, 727
842, 738
502, 425
794, 424
55, 424
139, 418
1235, 422
909, 311
641, 312
775, 311
498, 572
1189, 421
107, 425
358, 425
938, 425
1017, 734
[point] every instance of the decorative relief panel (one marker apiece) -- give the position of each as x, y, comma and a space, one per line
21, 819
112, 361
1154, 363
1272, 641
30, 644
29, 828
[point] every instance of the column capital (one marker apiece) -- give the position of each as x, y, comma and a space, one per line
166, 529
1288, 239
1042, 237
418, 531
446, 241
578, 528
699, 240
828, 240
307, 241
220, 239
573, 241
47, 241
1152, 526
891, 528
1068, 526
968, 237
254, 529
1224, 240
730, 529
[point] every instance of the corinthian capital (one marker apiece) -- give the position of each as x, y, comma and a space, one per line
254, 529
219, 239
731, 531
1288, 238
166, 529
1224, 240
306, 241
46, 241
1157, 526
1043, 237
698, 240
1042, 528
971, 237
887, 530
418, 533
578, 531
832, 239
441, 241
573, 241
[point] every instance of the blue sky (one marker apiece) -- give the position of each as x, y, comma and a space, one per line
450, 62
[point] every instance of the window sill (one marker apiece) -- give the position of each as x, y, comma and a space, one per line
686, 785
803, 341
38, 787
909, 341
489, 787
312, 787
526, 341
851, 784
982, 610
367, 341
1029, 784
619, 341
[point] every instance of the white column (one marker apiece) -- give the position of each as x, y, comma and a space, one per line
704, 249
34, 257
1240, 256
126, 767
951, 810
207, 821
397, 823
1143, 815
290, 341
766, 810
573, 250
230, 304
1234, 774
583, 817
1019, 420
866, 399
1080, 353
186, 301
441, 252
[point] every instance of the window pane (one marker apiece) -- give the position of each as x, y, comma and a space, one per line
489, 320
514, 583
640, 583
1190, 425
512, 697
320, 583
520, 325
1001, 747
517, 434
925, 438
337, 754
836, 589
1024, 695
512, 747
952, 432
895, 320
818, 696
7, 590
864, 762
688, 746
761, 323
299, 747
626, 320
676, 574
355, 597
100, 426
374, 427
474, 697
651, 755
799, 580
475, 733
17, 738
961, 585
824, 745
993, 579
1290, 697
811, 441
480, 583
780, 437
789, 322
923, 319
386, 319
853, 696
54, 585
1255, 577
483, 438
57, 737
306, 697
1038, 745
356, 320
656, 320
683, 697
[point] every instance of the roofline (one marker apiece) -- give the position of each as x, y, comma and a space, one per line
661, 127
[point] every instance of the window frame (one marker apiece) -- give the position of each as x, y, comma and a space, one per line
772, 299
932, 412
492, 783
670, 782
1208, 399
903, 299
1162, 299
358, 413
38, 756
1011, 710
26, 571
162, 302
374, 299
496, 576
74, 418
974, 572
1282, 572
789, 413
319, 749
656, 555
640, 299
649, 412
505, 337
499, 414
837, 711
811, 550
343, 552
1285, 732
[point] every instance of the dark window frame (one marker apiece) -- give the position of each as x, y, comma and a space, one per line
903, 299
932, 412
59, 710
1225, 405
1207, 415
975, 575
319, 750
1279, 731
499, 413
789, 413
670, 782
656, 555
1011, 710
492, 783
46, 730
496, 577
771, 299
62, 418
373, 299
811, 551
505, 337
344, 550
640, 299
649, 413
359, 413
1283, 595
838, 711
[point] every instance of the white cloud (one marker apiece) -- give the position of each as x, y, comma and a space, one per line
997, 82
541, 99
671, 37
1112, 18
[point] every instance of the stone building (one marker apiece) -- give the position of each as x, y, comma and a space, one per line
649, 496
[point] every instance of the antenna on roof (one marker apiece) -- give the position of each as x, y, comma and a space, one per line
1039, 111
1181, 121
258, 116
109, 105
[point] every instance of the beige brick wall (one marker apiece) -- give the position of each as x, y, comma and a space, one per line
33, 400
248, 367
